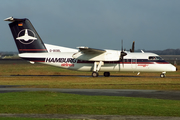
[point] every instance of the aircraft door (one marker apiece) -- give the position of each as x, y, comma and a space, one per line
133, 63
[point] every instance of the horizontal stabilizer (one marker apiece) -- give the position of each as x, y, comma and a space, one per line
11, 19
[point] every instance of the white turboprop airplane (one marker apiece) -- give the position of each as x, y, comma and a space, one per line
32, 48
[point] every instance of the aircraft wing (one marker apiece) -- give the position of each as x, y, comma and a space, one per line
90, 54
91, 50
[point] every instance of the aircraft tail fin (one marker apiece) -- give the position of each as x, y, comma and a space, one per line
25, 36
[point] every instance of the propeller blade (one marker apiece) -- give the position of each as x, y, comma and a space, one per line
122, 53
132, 50
122, 57
121, 45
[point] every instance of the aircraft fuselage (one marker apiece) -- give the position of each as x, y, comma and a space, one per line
140, 62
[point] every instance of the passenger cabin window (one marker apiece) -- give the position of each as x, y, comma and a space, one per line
155, 58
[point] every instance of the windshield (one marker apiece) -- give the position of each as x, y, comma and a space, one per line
155, 58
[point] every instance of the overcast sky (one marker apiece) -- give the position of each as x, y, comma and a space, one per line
152, 24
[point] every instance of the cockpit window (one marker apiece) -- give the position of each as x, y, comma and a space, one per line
155, 58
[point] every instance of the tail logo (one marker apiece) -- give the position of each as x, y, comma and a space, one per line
26, 36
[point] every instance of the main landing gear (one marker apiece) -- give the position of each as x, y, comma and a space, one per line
96, 74
97, 66
106, 74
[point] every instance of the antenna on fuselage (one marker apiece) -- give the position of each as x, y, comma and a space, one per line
142, 51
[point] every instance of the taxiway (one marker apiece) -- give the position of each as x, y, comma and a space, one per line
171, 95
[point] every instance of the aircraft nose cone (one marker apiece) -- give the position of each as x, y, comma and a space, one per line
174, 68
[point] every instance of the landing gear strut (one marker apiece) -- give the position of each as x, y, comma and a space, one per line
97, 67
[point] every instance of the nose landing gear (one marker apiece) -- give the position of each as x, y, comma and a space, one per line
163, 75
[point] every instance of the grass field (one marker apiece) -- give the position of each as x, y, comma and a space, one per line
60, 103
50, 77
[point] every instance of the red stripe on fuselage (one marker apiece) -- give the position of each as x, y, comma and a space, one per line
105, 62
117, 62
32, 49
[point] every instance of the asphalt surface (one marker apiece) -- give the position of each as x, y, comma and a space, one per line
171, 95
90, 117
129, 76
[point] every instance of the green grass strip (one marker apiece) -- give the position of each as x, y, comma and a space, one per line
60, 103
21, 118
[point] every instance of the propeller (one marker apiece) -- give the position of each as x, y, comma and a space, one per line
132, 50
122, 53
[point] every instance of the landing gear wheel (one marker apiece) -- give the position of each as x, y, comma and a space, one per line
162, 75
106, 74
95, 74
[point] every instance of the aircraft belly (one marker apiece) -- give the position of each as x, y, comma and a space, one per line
105, 67
84, 66
110, 67
89, 67
115, 67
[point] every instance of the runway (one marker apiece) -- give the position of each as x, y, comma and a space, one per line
171, 95
129, 76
